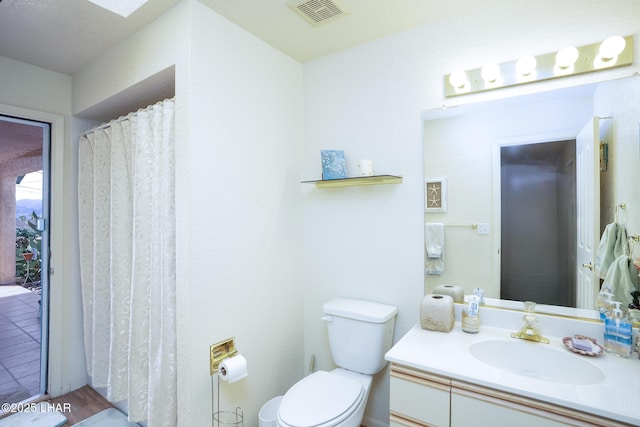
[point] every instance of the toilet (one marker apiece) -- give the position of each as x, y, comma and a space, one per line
360, 333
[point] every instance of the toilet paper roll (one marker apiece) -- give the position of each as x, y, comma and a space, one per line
233, 369
436, 313
454, 291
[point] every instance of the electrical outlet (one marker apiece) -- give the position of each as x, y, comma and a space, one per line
220, 351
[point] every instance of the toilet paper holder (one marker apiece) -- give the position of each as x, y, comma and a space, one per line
229, 418
233, 418
220, 351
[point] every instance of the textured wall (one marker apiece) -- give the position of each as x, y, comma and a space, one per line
368, 100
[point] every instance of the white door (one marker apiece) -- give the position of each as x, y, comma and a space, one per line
588, 212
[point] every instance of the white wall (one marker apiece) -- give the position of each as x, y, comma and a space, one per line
243, 215
367, 242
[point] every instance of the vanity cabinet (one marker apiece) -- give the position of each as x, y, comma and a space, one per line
478, 408
419, 399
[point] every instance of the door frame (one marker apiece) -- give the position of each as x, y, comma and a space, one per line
45, 251
54, 311
497, 189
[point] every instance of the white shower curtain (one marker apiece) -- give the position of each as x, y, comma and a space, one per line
126, 198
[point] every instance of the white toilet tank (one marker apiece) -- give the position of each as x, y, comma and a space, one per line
360, 333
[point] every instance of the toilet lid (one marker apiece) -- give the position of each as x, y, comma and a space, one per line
318, 399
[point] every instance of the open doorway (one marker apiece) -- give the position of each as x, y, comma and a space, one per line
24, 254
538, 226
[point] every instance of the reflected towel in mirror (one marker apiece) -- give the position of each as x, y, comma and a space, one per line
434, 242
612, 245
622, 279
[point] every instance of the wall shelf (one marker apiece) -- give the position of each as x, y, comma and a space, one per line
356, 181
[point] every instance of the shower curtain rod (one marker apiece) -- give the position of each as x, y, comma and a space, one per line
108, 124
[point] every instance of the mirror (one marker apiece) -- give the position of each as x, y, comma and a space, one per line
462, 146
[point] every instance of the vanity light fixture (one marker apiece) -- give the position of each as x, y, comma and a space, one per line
491, 75
615, 51
458, 79
612, 47
609, 51
567, 57
526, 68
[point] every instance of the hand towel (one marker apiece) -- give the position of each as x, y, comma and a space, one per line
622, 279
612, 245
434, 242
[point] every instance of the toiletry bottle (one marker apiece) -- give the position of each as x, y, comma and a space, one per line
471, 316
479, 292
625, 338
617, 333
610, 332
603, 303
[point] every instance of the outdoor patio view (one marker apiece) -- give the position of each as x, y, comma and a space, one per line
20, 305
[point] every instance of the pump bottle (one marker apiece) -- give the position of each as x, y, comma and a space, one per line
617, 333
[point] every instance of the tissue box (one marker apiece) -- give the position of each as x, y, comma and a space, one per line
436, 313
455, 292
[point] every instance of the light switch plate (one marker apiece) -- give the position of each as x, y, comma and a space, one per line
483, 228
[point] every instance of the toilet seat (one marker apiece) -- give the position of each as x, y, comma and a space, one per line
320, 399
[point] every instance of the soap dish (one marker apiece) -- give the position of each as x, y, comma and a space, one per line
596, 349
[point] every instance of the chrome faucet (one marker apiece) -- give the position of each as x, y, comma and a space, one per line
529, 331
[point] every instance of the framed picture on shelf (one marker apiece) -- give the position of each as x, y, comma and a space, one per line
435, 195
334, 165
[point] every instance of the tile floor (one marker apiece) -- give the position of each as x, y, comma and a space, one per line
19, 340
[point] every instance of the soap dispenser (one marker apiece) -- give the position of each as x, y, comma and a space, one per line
618, 333
603, 302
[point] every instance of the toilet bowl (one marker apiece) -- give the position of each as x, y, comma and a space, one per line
326, 399
360, 333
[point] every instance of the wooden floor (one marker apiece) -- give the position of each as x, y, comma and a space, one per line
82, 403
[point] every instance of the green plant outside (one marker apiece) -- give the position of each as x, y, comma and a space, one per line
29, 240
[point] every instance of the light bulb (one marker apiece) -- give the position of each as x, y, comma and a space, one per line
526, 65
490, 73
567, 56
612, 47
458, 79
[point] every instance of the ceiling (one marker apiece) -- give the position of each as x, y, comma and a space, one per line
19, 140
63, 35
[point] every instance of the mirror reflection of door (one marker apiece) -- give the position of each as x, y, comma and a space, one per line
588, 212
538, 222
24, 249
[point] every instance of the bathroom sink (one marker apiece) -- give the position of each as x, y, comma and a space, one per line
538, 361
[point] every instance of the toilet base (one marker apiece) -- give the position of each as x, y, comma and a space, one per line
355, 419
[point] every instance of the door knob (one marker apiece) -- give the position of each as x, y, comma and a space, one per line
589, 266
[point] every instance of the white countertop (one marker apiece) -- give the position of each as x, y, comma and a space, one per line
447, 354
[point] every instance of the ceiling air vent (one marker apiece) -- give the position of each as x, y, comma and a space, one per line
318, 11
